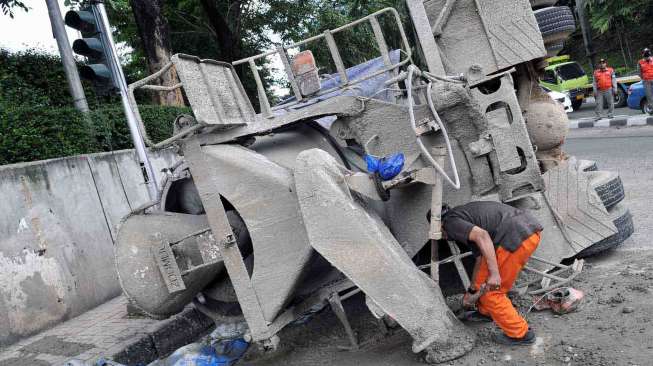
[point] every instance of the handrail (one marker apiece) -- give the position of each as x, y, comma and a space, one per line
335, 55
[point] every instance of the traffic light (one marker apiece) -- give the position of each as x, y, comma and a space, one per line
91, 46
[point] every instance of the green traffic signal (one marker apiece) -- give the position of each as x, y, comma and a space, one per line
83, 21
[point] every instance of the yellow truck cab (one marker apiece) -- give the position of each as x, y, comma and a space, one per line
566, 76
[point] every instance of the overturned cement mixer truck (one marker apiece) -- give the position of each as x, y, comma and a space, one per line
271, 213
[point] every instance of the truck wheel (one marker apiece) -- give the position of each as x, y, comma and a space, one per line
576, 104
556, 23
624, 223
610, 188
620, 100
553, 49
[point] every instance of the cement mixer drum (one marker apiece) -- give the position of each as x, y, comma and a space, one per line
164, 259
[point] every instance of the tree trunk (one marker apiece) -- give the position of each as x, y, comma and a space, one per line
621, 44
154, 33
225, 27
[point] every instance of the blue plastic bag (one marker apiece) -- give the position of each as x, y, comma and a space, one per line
387, 167
225, 352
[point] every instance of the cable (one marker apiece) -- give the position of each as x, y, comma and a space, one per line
332, 141
411, 114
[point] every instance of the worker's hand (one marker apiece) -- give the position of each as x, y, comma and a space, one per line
469, 301
494, 281
614, 91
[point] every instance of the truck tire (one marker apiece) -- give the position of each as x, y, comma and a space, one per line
576, 104
624, 223
556, 23
553, 49
610, 188
621, 99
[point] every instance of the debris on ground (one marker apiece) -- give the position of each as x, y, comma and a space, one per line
561, 301
225, 346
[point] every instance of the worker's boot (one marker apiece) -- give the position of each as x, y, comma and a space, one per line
529, 338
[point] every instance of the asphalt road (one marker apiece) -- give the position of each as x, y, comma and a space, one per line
587, 111
628, 151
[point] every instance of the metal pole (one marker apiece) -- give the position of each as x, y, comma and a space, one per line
119, 79
425, 36
67, 59
586, 30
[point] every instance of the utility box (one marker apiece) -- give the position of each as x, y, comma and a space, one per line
491, 34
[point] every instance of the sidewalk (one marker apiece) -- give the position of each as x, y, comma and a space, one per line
107, 331
618, 121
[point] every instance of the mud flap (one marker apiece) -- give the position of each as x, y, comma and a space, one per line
355, 240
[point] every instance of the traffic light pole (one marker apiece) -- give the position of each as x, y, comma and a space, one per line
100, 14
67, 59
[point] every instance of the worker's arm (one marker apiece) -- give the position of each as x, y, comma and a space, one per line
595, 87
477, 265
486, 247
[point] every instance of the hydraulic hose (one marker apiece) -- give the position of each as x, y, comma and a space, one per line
411, 114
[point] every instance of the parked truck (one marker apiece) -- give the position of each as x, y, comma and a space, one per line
273, 212
566, 76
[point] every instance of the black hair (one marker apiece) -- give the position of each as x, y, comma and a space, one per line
445, 209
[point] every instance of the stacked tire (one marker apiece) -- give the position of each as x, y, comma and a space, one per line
609, 187
556, 24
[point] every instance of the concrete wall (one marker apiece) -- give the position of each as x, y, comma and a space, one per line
58, 221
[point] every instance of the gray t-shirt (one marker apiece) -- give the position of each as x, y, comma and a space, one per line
508, 226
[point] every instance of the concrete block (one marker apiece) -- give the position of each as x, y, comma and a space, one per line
55, 246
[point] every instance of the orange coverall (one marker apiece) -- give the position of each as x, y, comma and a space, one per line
496, 303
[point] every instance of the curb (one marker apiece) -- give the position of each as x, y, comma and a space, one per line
614, 122
163, 339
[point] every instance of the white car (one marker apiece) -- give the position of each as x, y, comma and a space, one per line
562, 98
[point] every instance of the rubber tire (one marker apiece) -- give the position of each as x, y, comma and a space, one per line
611, 191
644, 107
576, 104
553, 49
621, 99
624, 224
556, 23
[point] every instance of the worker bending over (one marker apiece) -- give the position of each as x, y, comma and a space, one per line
502, 238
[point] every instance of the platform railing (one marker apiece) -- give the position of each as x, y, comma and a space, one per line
328, 36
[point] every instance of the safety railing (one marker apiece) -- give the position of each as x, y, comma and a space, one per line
328, 36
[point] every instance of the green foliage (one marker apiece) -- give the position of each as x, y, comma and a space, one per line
606, 15
32, 78
43, 133
8, 6
36, 79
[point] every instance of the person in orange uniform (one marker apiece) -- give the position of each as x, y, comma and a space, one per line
605, 88
502, 238
645, 67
